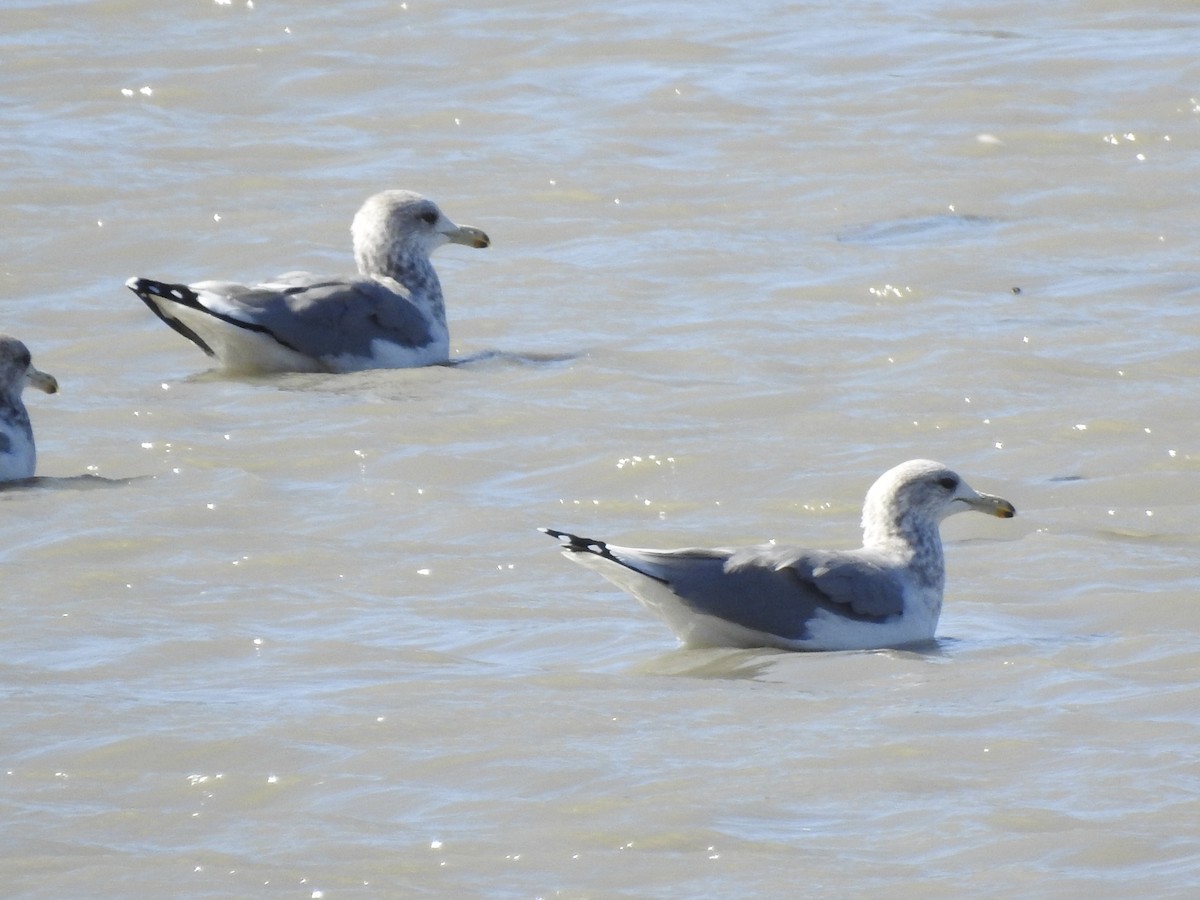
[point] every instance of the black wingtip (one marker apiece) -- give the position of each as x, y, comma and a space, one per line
148, 287
576, 544
570, 541
150, 292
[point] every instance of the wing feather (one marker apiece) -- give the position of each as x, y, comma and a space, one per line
320, 317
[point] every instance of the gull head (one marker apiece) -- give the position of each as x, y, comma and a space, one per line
917, 495
17, 370
394, 230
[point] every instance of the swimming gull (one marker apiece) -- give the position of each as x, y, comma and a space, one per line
888, 593
18, 456
390, 316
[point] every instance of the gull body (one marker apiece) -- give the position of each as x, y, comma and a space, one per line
391, 315
887, 593
18, 454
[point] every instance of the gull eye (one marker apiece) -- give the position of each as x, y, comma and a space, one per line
429, 217
948, 482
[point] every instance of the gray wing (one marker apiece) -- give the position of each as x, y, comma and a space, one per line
319, 316
850, 583
773, 591
766, 589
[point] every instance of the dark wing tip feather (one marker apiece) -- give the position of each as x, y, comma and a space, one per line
149, 290
577, 544
146, 288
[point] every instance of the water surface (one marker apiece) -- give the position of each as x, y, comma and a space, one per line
299, 635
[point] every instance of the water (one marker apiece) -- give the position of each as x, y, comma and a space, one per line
299, 636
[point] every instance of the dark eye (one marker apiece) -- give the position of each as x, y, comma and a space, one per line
948, 482
429, 217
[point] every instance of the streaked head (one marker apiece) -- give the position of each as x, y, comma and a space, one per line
926, 491
17, 369
392, 225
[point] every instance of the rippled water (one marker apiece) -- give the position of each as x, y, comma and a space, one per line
298, 635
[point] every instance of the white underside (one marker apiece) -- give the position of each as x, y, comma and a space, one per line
387, 355
829, 631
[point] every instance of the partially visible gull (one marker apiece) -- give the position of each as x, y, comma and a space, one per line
888, 593
18, 456
390, 316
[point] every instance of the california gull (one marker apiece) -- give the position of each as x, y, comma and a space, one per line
18, 456
390, 316
888, 593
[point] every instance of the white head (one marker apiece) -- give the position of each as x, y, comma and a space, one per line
395, 231
916, 496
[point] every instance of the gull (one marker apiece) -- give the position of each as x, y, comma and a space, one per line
888, 593
389, 316
18, 456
